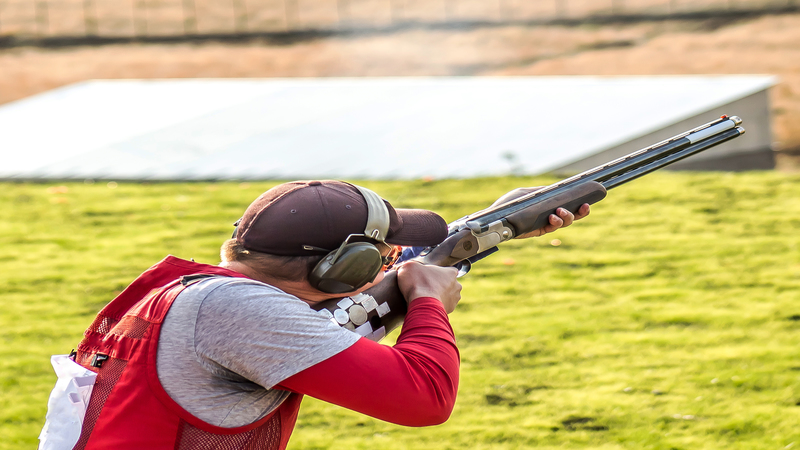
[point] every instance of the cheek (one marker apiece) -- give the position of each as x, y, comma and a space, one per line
378, 279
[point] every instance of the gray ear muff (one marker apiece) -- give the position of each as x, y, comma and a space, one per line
353, 265
357, 264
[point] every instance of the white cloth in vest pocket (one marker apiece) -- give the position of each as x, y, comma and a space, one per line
67, 404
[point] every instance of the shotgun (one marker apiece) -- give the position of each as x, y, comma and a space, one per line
380, 309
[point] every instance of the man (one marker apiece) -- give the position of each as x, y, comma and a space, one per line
195, 356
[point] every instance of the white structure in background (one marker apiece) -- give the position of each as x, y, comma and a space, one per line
369, 128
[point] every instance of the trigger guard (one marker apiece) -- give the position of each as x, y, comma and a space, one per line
463, 268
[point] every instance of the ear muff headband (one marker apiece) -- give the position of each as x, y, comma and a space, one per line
377, 215
355, 264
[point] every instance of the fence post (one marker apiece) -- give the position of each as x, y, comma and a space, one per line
449, 10
239, 16
90, 25
41, 17
342, 13
395, 13
139, 20
189, 17
561, 8
290, 13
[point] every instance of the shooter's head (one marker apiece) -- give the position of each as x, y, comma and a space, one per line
343, 230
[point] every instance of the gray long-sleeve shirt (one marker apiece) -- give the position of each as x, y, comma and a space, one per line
226, 342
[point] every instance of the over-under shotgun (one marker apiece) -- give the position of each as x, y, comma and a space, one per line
478, 234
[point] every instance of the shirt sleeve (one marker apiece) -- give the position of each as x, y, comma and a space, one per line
413, 383
253, 330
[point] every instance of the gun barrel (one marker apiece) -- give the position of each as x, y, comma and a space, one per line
642, 162
675, 157
674, 145
655, 151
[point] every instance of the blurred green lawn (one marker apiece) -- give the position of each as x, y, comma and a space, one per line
669, 319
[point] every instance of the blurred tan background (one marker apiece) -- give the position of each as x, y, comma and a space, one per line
47, 44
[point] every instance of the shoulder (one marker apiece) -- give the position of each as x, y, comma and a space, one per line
260, 332
246, 304
244, 295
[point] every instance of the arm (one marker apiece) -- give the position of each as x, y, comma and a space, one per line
413, 383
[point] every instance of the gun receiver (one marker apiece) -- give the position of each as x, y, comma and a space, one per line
477, 235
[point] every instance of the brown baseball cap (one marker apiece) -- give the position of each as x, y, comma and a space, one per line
305, 217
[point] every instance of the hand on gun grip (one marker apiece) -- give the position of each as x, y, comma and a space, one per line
417, 280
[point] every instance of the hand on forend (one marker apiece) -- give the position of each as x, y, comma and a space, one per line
561, 219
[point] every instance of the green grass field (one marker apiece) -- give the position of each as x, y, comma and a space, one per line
668, 319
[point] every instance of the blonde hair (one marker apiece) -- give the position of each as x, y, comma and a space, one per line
287, 268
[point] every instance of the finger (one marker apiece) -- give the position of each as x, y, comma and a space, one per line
583, 211
555, 223
566, 216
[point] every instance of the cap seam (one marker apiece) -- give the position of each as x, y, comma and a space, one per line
321, 199
258, 213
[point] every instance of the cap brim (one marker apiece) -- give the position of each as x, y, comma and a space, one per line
417, 228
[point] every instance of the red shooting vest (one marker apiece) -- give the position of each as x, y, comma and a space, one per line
129, 409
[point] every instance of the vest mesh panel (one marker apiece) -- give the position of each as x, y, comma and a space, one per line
267, 436
107, 377
131, 327
102, 324
111, 370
